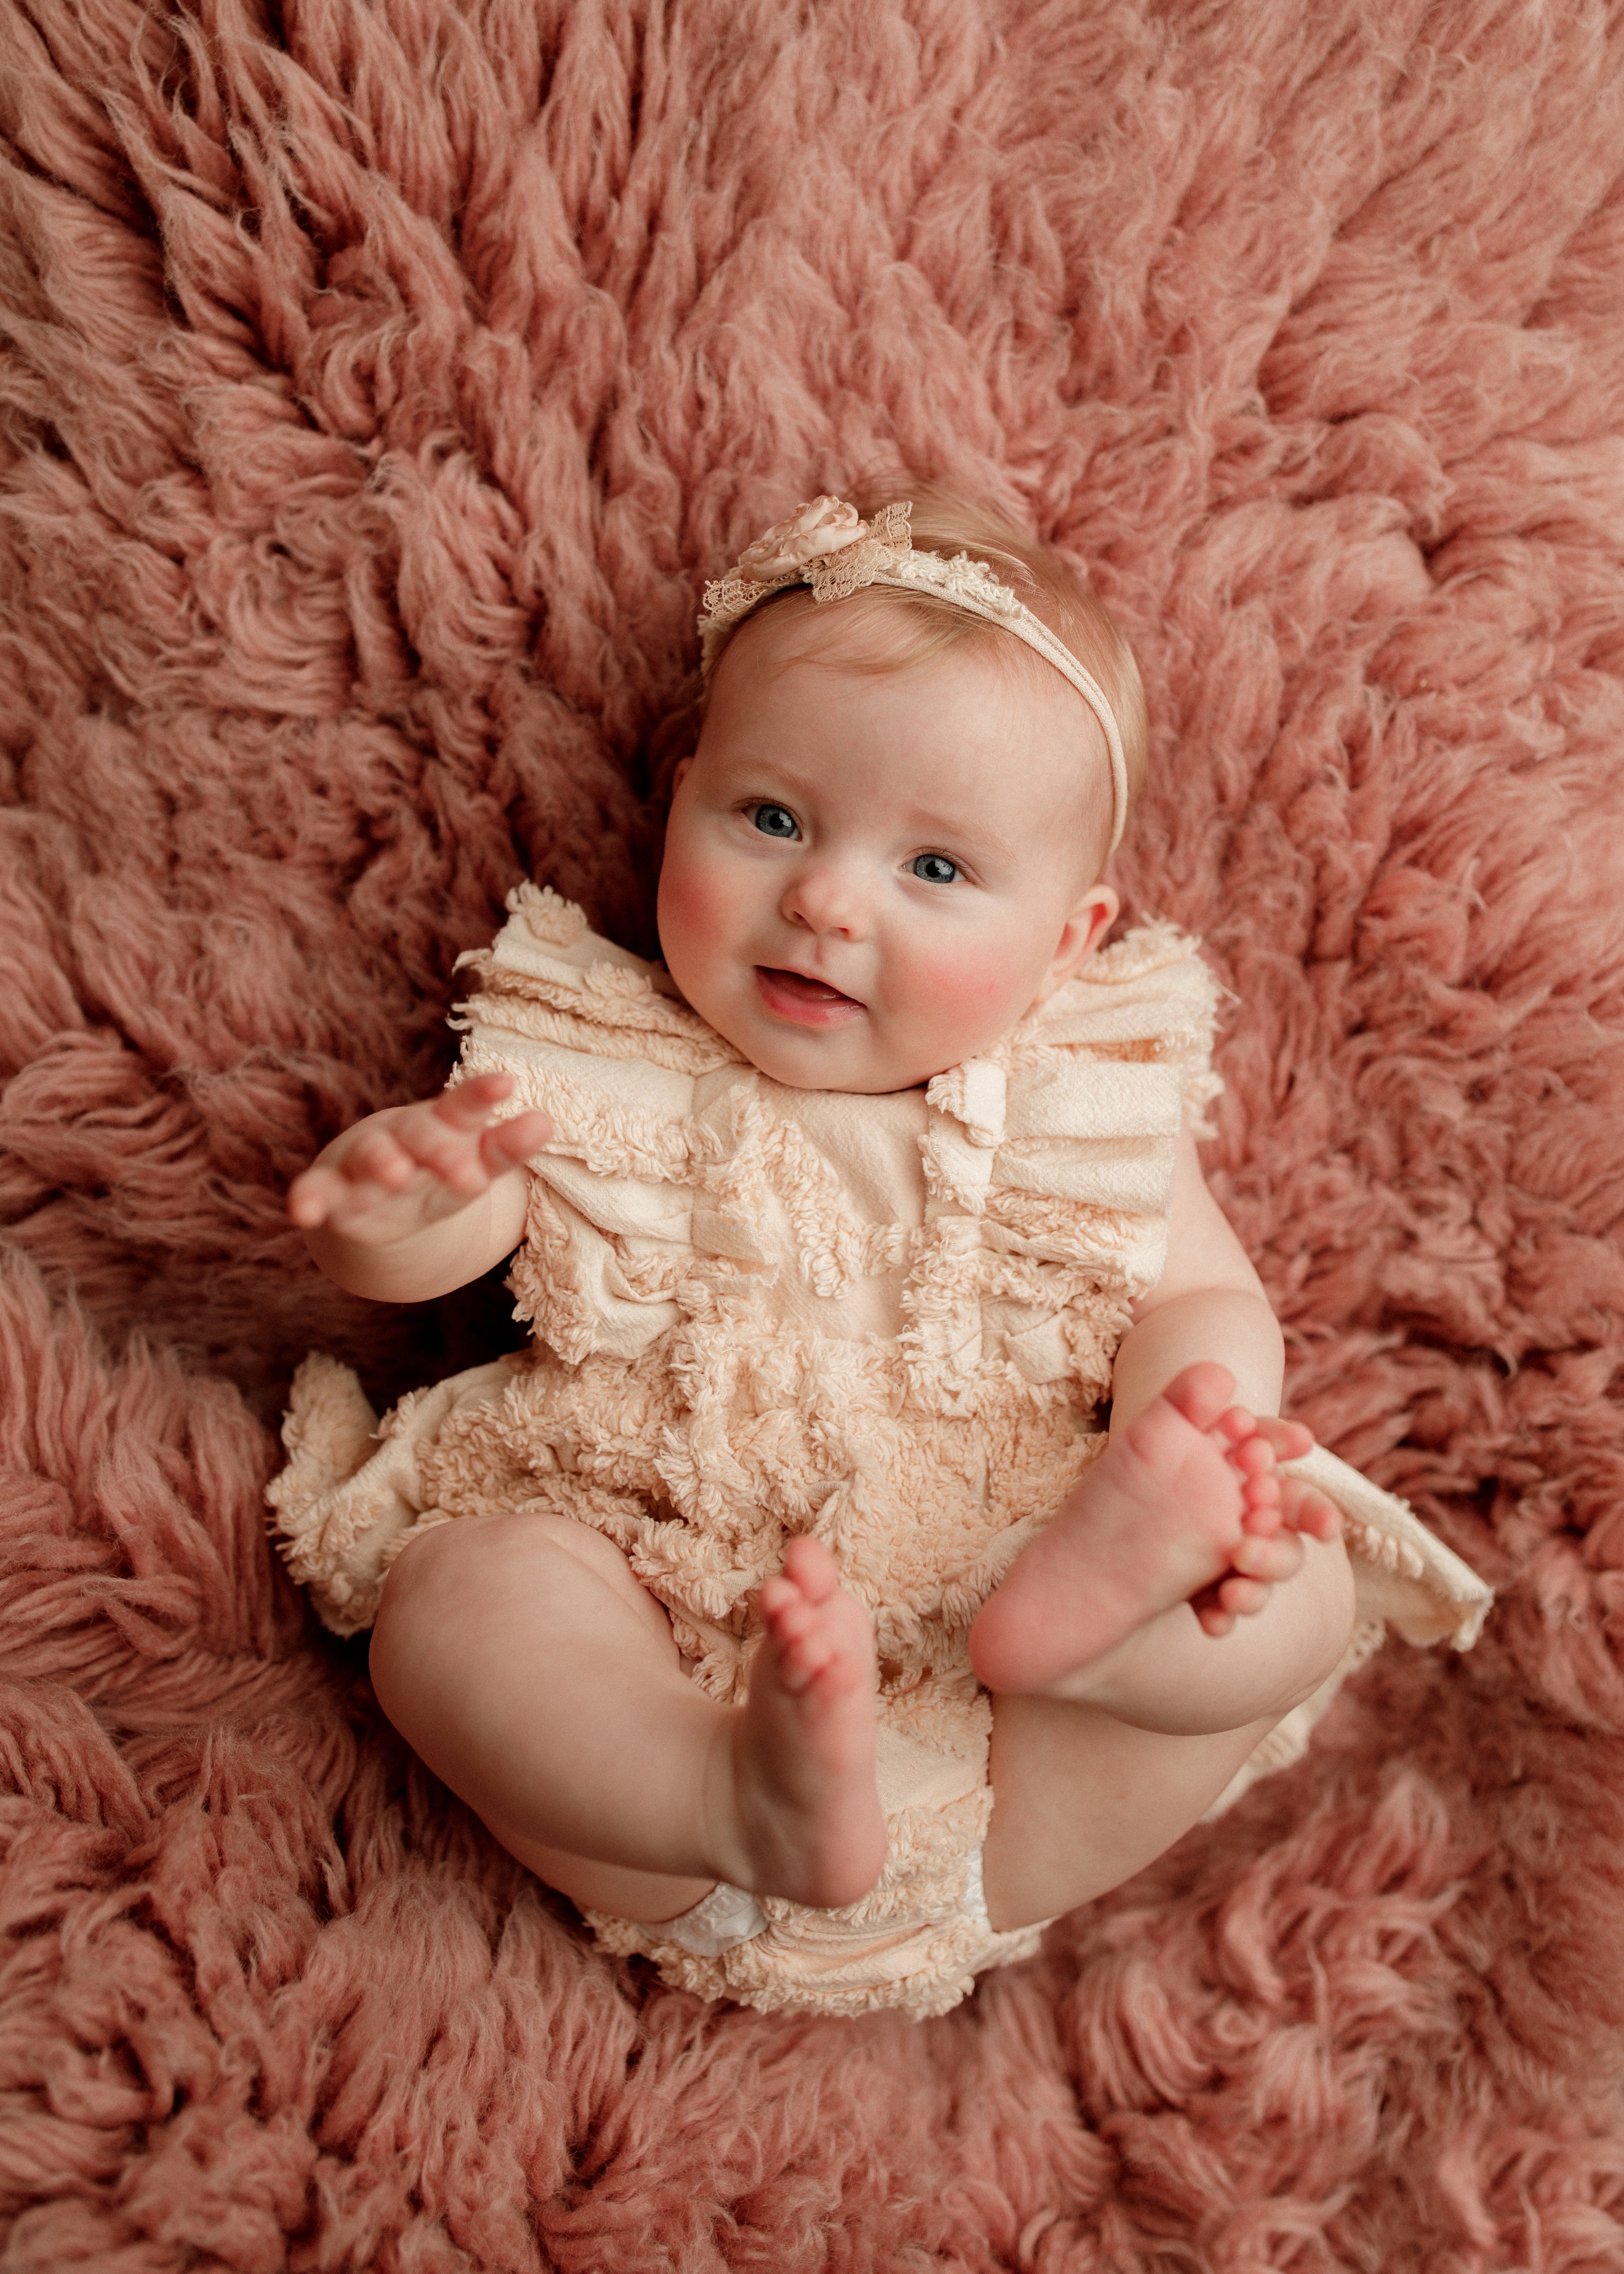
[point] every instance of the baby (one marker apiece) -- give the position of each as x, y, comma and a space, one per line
838, 1234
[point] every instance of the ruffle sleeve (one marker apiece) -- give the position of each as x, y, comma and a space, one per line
596, 1038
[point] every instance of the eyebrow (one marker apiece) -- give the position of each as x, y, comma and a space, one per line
976, 834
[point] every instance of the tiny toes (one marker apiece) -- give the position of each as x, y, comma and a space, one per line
807, 1659
1243, 1598
790, 1618
1201, 1392
1271, 1560
1304, 1509
791, 1623
810, 1567
1253, 1456
814, 1651
1290, 1439
1321, 1517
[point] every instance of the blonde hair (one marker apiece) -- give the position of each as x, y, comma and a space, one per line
896, 629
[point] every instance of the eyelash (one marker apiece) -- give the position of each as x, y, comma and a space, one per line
768, 805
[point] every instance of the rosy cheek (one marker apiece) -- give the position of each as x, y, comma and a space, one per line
968, 982
693, 907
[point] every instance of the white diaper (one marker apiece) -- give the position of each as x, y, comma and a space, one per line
729, 1915
719, 1921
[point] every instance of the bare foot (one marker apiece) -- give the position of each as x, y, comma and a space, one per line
1185, 1504
807, 1814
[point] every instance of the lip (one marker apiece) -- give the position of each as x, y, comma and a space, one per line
805, 1001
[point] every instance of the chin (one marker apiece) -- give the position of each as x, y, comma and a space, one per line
799, 1057
792, 1065
792, 1070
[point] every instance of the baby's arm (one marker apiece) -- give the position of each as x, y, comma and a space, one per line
419, 1199
1209, 1304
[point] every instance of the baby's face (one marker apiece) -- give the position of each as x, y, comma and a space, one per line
870, 877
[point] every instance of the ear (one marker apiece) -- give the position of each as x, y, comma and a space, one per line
677, 778
1084, 929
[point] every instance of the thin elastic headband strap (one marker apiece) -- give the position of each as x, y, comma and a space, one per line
827, 547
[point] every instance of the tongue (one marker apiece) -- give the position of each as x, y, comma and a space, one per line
810, 991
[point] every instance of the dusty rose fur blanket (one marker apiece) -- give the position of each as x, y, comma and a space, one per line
381, 376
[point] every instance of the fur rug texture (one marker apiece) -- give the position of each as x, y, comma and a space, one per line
381, 378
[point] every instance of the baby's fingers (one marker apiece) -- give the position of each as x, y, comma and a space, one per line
508, 1143
380, 1157
447, 1137
468, 1105
340, 1192
318, 1193
434, 1153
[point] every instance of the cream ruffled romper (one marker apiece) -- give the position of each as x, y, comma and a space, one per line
888, 1320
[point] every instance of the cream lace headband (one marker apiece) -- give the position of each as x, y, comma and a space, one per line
825, 544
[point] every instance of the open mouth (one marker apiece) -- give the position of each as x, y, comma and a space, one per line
812, 1002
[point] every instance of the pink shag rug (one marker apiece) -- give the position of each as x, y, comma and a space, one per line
380, 378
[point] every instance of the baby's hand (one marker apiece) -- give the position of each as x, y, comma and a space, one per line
399, 1171
1277, 1512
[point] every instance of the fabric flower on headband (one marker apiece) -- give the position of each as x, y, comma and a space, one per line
826, 544
827, 525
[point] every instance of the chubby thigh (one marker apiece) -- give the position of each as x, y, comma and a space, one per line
1089, 1790
1082, 1801
524, 1662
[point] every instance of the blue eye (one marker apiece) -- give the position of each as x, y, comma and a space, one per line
775, 821
936, 869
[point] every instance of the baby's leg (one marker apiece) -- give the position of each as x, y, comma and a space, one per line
524, 1663
1082, 1802
1098, 1775
1090, 1789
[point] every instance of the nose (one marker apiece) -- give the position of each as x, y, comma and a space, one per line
824, 896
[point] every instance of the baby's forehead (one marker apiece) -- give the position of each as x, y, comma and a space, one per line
861, 648
988, 692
